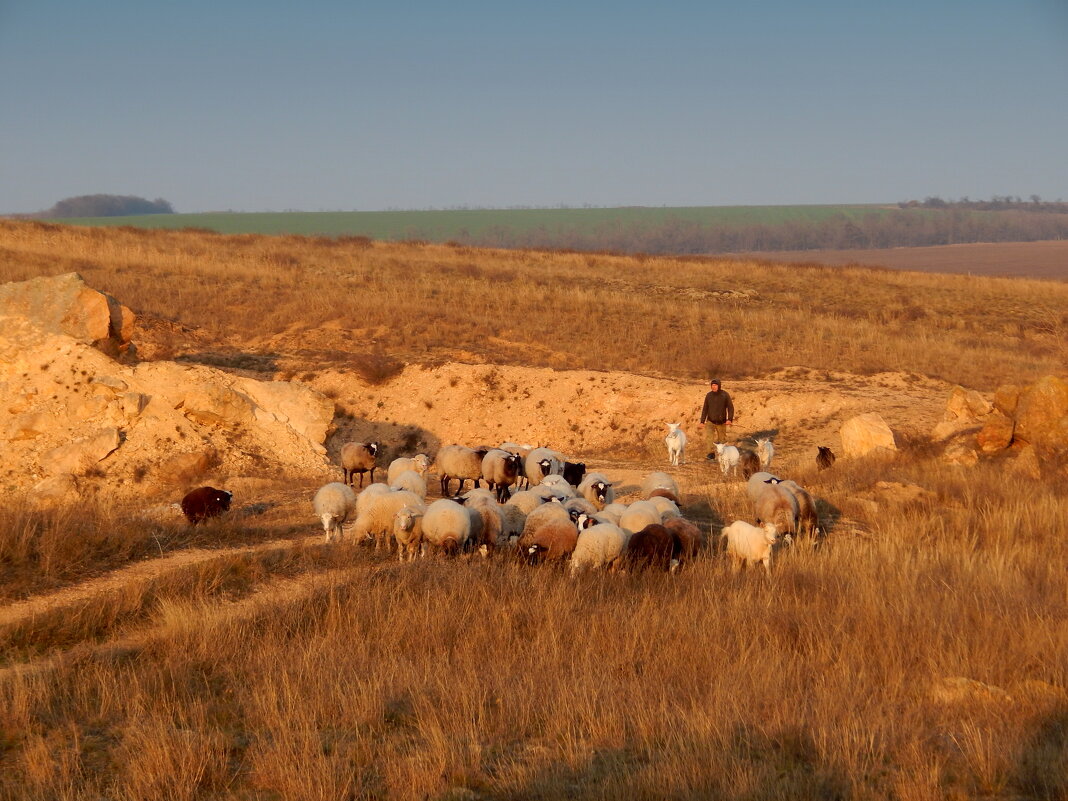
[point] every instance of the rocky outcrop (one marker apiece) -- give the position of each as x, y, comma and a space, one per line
867, 434
1042, 415
80, 419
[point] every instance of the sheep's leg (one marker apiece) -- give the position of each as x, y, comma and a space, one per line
372, 477
767, 565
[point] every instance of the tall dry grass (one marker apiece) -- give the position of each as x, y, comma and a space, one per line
490, 679
291, 301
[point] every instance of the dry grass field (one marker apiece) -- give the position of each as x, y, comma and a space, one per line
920, 653
1014, 259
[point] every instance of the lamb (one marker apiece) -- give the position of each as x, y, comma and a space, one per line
654, 546
420, 463
573, 472
658, 483
777, 506
549, 533
599, 546
456, 461
748, 463
808, 519
765, 449
333, 504
749, 544
359, 457
756, 483
727, 456
446, 526
540, 463
597, 489
689, 537
824, 457
639, 515
205, 502
408, 531
411, 481
375, 521
500, 469
676, 444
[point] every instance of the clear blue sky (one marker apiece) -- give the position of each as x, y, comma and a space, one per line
257, 106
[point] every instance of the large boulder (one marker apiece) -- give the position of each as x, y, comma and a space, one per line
867, 434
76, 458
1042, 415
64, 304
996, 434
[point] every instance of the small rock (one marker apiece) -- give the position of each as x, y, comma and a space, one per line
1005, 399
996, 433
966, 404
55, 489
960, 453
1026, 463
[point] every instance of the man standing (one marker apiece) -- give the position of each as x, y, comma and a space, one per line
719, 412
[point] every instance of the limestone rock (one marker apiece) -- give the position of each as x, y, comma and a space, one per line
306, 411
948, 429
64, 304
960, 453
996, 433
187, 468
79, 456
1005, 399
57, 488
1026, 463
966, 404
27, 425
217, 404
1042, 414
867, 434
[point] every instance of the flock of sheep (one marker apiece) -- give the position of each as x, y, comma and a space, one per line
543, 507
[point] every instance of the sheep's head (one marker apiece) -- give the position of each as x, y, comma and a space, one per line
223, 499
372, 448
545, 465
600, 489
584, 521
406, 517
421, 462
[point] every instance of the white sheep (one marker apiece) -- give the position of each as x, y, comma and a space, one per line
411, 481
727, 456
459, 462
639, 515
580, 505
376, 521
541, 462
420, 463
513, 519
778, 506
667, 507
558, 482
659, 483
526, 500
333, 504
599, 546
612, 512
765, 449
446, 526
808, 520
408, 531
676, 444
359, 457
367, 494
756, 483
597, 489
748, 544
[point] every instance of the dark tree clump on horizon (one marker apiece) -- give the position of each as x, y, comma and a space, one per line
107, 206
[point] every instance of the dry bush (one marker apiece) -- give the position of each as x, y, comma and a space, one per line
558, 309
490, 679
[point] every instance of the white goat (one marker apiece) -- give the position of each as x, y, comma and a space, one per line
749, 544
727, 456
676, 444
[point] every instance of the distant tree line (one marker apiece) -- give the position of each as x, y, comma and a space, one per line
107, 206
878, 229
996, 203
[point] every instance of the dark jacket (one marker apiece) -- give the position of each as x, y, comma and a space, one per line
718, 408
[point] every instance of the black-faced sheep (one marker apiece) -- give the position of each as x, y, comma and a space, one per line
205, 502
359, 457
461, 463
574, 472
824, 457
549, 533
597, 489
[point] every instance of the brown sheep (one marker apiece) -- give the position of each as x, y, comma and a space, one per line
205, 502
748, 463
359, 457
652, 547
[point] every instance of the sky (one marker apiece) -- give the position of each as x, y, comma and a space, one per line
324, 105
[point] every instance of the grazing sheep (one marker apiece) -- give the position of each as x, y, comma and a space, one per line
748, 464
824, 457
359, 457
597, 489
599, 546
580, 505
333, 504
551, 492
463, 464
375, 521
526, 500
446, 526
777, 506
667, 507
549, 532
205, 502
756, 483
808, 519
513, 519
639, 515
408, 531
486, 532
676, 444
689, 537
727, 456
573, 472
541, 462
748, 544
765, 449
559, 484
658, 483
612, 512
411, 481
500, 469
475, 496
420, 463
652, 547
363, 500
